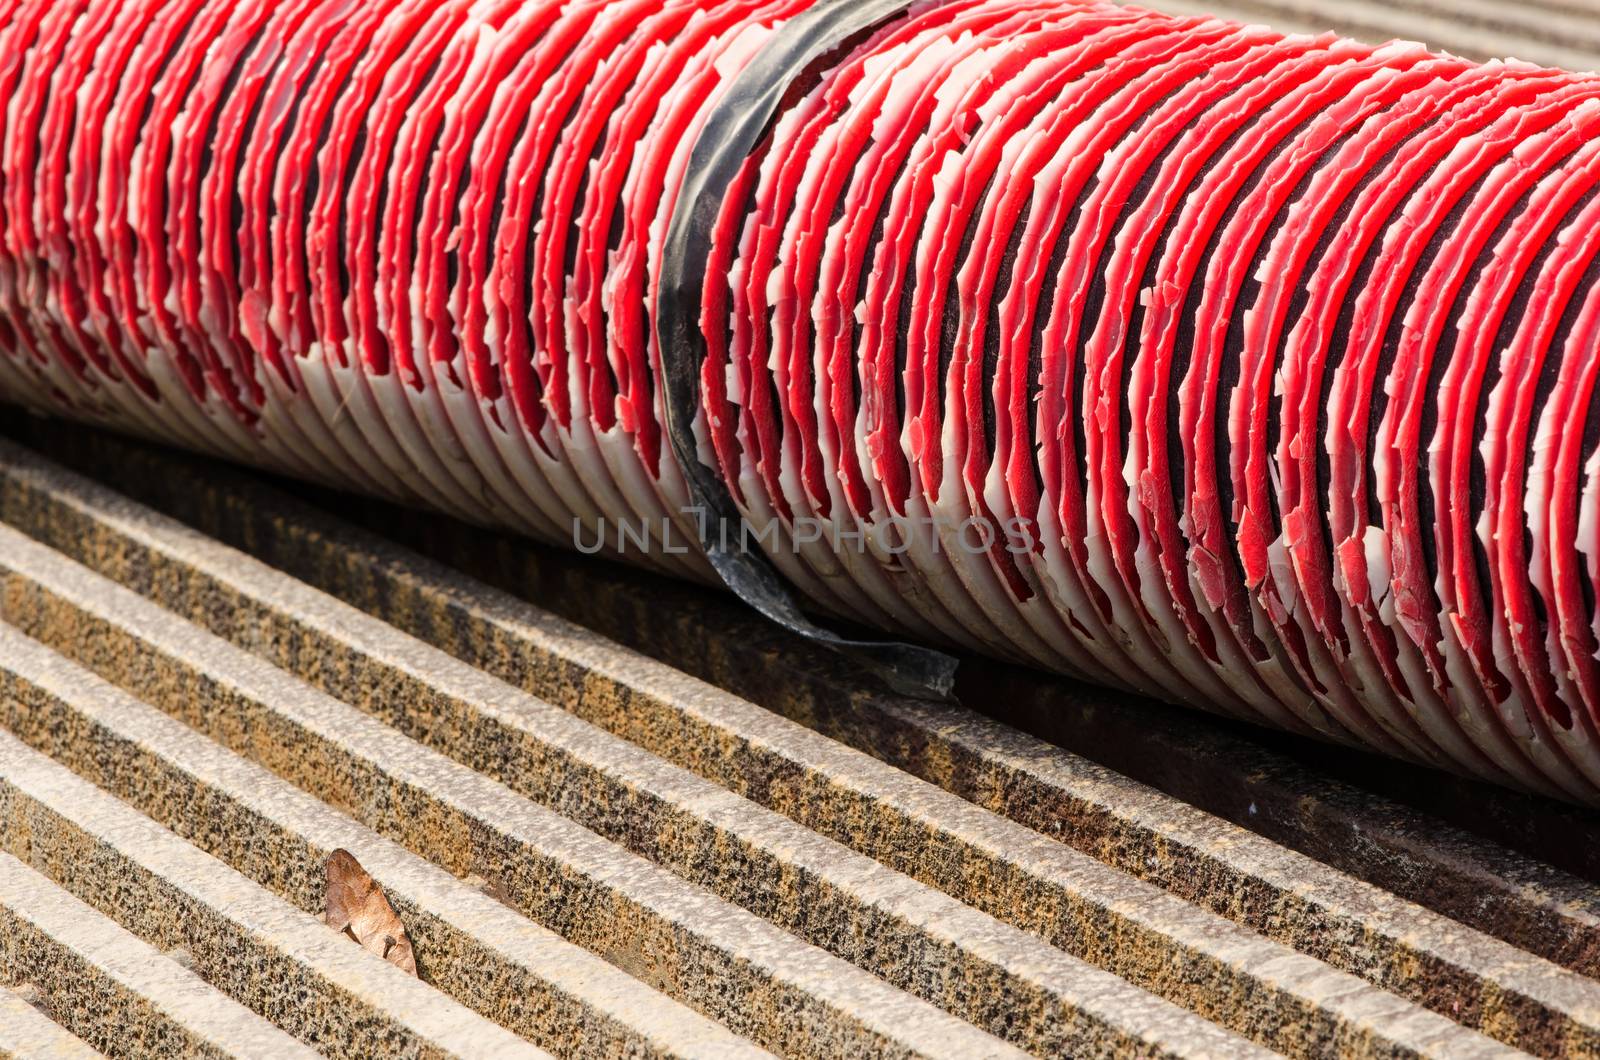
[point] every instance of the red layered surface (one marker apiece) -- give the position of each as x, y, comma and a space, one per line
1251, 371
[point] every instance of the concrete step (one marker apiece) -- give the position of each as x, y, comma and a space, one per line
678, 937
1280, 998
105, 985
26, 1033
471, 945
550, 623
1395, 943
280, 961
709, 839
945, 841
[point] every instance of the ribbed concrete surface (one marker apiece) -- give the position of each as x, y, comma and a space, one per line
620, 819
106, 984
1563, 33
27, 1031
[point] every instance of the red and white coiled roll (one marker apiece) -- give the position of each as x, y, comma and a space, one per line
1246, 370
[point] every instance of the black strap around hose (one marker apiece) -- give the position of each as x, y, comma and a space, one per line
737, 125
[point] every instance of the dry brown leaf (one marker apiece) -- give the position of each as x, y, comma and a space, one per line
356, 906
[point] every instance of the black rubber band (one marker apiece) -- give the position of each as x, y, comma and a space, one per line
736, 126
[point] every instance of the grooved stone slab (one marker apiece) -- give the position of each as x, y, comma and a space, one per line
1277, 996
487, 956
949, 798
1466, 973
283, 962
757, 977
110, 987
916, 937
1185, 763
28, 1034
1419, 954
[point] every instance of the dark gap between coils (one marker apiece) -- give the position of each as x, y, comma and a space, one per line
1590, 425
1205, 639
289, 118
1550, 368
358, 147
869, 252
188, 368
313, 176
794, 58
1591, 441
208, 158
1392, 339
1298, 300
1445, 354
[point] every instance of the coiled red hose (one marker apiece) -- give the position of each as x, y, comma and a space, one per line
1249, 371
